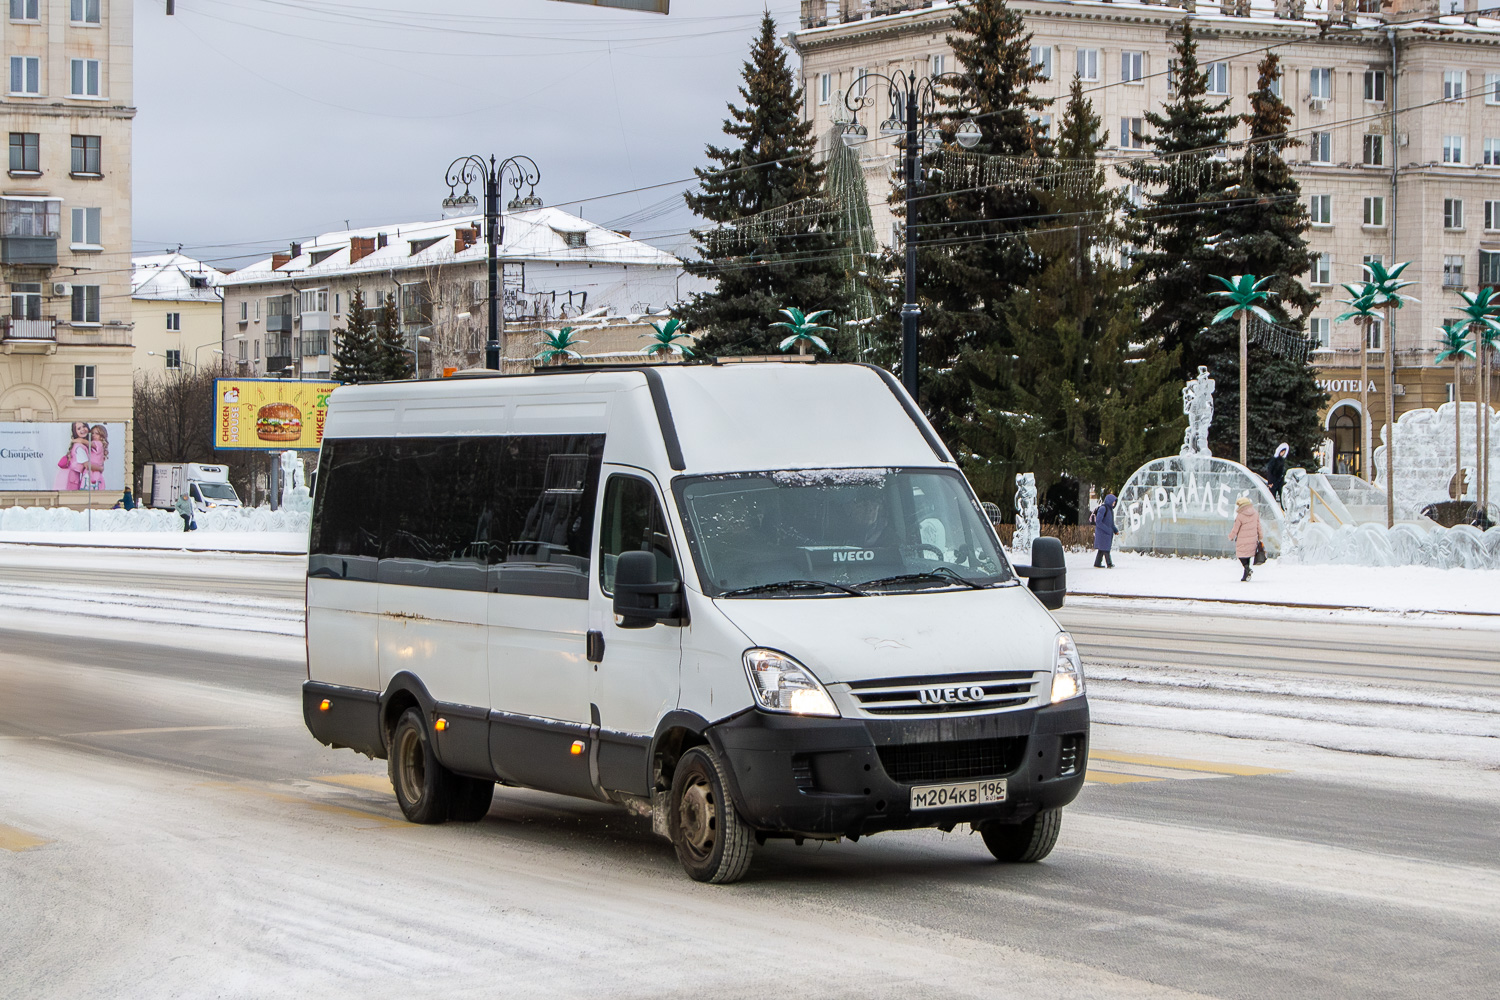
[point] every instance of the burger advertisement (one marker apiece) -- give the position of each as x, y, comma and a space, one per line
270, 414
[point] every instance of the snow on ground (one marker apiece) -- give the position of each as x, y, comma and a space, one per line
1381, 588
240, 613
294, 542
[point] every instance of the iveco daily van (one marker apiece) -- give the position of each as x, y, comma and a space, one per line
748, 600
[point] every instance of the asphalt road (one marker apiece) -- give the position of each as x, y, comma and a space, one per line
167, 828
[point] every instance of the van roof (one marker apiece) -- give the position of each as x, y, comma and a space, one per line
712, 418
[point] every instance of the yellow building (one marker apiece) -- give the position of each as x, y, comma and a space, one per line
65, 232
178, 313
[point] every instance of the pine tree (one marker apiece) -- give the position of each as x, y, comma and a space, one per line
1181, 220
354, 357
973, 253
393, 360
1094, 397
1264, 228
786, 263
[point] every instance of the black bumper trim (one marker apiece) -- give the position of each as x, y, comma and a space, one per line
352, 719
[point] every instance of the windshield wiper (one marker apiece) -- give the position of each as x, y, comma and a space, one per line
763, 588
942, 574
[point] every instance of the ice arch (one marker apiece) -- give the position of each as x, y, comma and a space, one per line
1184, 505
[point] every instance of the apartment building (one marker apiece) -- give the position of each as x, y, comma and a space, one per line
178, 314
1398, 110
280, 313
65, 346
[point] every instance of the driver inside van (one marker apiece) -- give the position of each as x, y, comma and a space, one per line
869, 523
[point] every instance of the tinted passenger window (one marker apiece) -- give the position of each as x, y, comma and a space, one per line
633, 522
345, 541
541, 514
436, 490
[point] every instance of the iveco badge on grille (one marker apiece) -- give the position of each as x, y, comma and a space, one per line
950, 695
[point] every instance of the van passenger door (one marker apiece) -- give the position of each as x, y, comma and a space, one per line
637, 681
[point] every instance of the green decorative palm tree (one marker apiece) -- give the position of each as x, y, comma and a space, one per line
1387, 285
1363, 305
1245, 294
1479, 317
1456, 345
804, 330
557, 345
664, 340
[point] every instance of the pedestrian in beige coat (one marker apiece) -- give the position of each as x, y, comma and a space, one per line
1246, 533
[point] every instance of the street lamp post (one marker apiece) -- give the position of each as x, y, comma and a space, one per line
471, 170
416, 363
912, 100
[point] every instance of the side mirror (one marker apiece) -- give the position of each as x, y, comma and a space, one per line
640, 601
1047, 576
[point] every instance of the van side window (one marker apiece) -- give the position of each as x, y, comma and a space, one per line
434, 494
633, 522
541, 514
345, 540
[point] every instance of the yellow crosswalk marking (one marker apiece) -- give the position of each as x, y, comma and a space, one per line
12, 839
363, 782
1180, 764
1113, 778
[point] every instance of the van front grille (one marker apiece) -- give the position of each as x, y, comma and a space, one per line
952, 760
952, 694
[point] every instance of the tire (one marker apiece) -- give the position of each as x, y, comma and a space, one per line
424, 787
469, 801
712, 843
1024, 842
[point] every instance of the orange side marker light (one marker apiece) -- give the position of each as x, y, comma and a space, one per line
577, 748
440, 725
325, 705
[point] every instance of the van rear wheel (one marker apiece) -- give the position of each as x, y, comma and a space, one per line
424, 787
470, 799
1030, 841
712, 842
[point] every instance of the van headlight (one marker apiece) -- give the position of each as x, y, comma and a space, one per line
1067, 672
781, 684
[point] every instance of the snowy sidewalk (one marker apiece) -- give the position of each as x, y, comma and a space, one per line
272, 542
1379, 588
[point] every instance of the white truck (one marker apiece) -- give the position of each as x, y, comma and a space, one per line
207, 485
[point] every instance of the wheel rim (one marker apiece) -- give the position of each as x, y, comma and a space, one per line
696, 820
412, 771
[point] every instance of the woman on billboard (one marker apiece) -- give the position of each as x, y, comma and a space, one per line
98, 452
73, 466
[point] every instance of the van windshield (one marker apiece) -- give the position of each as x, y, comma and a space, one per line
839, 531
217, 491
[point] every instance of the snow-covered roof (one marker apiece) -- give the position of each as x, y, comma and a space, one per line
545, 235
171, 277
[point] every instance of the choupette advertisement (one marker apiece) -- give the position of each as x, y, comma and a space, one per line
80, 455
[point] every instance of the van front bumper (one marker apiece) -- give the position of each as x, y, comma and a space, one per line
796, 775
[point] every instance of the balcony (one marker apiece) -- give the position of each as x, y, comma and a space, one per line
279, 323
39, 250
28, 336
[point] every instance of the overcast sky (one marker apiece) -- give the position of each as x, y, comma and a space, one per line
263, 121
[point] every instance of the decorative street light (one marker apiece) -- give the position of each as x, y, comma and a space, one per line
912, 101
471, 170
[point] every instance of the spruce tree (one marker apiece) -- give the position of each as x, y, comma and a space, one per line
1094, 396
392, 358
1182, 217
1264, 229
973, 253
775, 263
354, 357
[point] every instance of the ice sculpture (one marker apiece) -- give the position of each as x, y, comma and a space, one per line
295, 496
1184, 505
1296, 500
1028, 518
1324, 455
1198, 404
1424, 455
1463, 547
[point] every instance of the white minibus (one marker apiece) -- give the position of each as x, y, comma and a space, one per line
749, 600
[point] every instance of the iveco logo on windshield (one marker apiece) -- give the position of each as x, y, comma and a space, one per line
856, 555
950, 695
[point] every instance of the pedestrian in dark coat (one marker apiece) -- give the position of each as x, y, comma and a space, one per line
1105, 531
128, 500
1276, 470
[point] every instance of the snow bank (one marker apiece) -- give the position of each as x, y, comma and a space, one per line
231, 519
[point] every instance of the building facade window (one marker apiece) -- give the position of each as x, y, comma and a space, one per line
1320, 84
86, 304
861, 81
87, 155
84, 12
1088, 65
939, 65
1218, 78
1453, 271
1489, 267
1320, 209
34, 217
244, 313
26, 300
825, 87
1041, 60
1320, 332
25, 10
174, 359
1320, 147
1492, 88
1492, 215
1275, 85
1130, 133
84, 77
1365, 274
1132, 67
1374, 210
1375, 335
83, 381
1453, 84
1491, 153
174, 321
1322, 269
1453, 213
25, 75
1374, 149
1375, 85
86, 227
1453, 149
244, 351
25, 152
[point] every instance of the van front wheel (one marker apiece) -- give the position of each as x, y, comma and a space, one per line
712, 842
1022, 842
424, 787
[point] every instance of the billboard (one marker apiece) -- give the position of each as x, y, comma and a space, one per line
67, 457
270, 414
